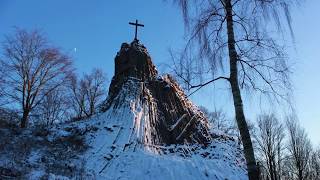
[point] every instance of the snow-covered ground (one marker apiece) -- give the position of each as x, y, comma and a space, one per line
112, 145
118, 149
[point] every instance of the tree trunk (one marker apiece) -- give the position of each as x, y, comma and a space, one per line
24, 119
279, 163
92, 109
300, 176
237, 100
271, 168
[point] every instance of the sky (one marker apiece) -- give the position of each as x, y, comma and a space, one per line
92, 32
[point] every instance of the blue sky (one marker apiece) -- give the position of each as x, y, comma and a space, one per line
92, 32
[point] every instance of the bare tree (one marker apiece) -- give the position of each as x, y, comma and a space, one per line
1, 88
315, 165
234, 45
33, 69
94, 84
88, 92
3, 100
299, 148
217, 119
270, 145
55, 107
79, 97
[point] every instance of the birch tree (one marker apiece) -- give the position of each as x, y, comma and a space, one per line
234, 43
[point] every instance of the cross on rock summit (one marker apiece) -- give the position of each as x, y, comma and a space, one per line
136, 24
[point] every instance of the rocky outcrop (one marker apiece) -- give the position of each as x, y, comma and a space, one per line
133, 60
173, 118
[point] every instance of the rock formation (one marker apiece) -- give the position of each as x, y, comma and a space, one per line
173, 118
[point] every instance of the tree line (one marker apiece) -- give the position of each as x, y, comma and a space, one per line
39, 82
282, 147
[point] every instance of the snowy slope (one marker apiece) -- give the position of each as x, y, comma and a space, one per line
118, 150
112, 145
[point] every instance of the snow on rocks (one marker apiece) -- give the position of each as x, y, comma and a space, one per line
124, 153
154, 131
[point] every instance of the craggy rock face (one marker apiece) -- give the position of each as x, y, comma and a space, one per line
172, 118
134, 61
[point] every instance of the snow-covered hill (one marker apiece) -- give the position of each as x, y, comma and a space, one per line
147, 129
118, 150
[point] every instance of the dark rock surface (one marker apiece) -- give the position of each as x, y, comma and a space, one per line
173, 118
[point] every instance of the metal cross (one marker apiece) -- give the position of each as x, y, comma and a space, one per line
136, 24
